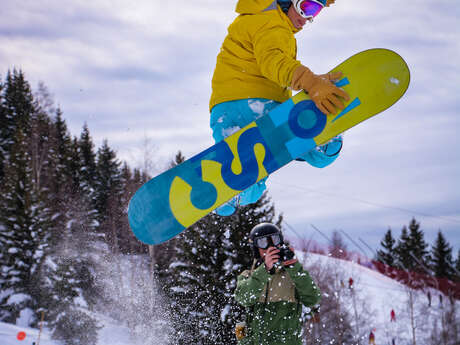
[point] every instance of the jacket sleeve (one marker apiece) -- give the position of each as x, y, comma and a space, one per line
275, 49
249, 287
309, 293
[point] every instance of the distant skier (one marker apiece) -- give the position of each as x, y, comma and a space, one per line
392, 316
256, 70
274, 290
350, 283
372, 337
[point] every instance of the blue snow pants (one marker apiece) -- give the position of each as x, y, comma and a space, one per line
228, 117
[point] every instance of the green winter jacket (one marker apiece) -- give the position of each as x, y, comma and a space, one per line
279, 322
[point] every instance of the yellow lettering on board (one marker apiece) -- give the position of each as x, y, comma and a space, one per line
259, 151
180, 194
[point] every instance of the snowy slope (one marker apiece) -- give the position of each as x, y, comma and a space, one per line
110, 334
8, 335
379, 293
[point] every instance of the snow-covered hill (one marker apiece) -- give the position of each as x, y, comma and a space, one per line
375, 294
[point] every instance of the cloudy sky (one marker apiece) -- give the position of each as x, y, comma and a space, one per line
139, 74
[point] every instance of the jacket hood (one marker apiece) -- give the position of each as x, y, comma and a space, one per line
258, 6
252, 6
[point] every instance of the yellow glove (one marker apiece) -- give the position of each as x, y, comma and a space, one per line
320, 89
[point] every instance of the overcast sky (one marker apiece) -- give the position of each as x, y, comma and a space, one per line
140, 71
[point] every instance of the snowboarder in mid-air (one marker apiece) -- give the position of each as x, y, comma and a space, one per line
274, 291
256, 70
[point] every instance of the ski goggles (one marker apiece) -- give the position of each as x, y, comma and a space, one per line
264, 242
308, 8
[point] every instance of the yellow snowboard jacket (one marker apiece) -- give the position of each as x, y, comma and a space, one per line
258, 56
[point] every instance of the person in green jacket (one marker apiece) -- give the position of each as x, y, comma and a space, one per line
274, 291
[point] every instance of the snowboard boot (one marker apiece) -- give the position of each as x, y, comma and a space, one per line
331, 149
253, 193
228, 208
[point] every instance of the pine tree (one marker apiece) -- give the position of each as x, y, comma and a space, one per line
387, 255
40, 147
86, 177
72, 265
24, 235
75, 166
404, 260
58, 173
108, 179
418, 248
63, 147
3, 135
26, 222
80, 245
442, 262
16, 109
19, 105
178, 159
87, 162
66, 316
70, 287
210, 255
127, 242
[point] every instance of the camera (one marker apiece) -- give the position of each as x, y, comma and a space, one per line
285, 252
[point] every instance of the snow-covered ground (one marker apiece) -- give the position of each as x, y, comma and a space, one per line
376, 293
110, 334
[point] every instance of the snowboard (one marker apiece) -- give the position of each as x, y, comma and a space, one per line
174, 200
